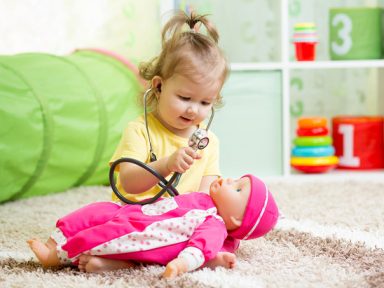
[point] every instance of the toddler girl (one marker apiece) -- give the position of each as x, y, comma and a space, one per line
185, 81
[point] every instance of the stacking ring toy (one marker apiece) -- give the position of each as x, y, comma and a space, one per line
312, 122
313, 141
315, 151
316, 131
314, 161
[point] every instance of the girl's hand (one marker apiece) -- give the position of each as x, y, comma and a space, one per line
182, 159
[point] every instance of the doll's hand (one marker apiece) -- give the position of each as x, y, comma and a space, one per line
182, 159
175, 268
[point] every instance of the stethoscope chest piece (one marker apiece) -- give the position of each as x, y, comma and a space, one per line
199, 139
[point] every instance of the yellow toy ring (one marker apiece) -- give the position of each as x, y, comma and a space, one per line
314, 161
312, 122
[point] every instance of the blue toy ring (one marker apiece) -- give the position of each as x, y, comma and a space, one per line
314, 151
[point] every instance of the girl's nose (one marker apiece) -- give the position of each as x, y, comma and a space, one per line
192, 109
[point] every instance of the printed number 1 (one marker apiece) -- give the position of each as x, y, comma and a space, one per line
344, 34
347, 159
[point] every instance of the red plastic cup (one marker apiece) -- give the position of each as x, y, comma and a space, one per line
305, 51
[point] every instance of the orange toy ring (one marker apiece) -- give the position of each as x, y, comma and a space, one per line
312, 122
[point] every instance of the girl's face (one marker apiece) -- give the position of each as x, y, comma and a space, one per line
231, 198
183, 104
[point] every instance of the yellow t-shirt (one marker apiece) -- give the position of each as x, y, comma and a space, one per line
135, 144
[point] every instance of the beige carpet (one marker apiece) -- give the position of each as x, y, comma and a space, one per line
332, 235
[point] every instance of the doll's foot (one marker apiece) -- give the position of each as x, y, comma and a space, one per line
95, 264
45, 252
222, 259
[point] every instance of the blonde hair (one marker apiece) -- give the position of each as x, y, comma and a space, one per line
187, 51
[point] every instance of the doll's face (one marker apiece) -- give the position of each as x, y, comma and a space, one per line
231, 198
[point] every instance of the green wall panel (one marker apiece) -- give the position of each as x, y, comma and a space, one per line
249, 125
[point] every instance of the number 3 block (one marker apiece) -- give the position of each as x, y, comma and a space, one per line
359, 142
355, 33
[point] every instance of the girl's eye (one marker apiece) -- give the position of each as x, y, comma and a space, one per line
184, 98
205, 103
238, 189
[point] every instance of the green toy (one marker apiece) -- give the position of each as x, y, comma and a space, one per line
61, 119
355, 33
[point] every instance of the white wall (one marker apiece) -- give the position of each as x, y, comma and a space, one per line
58, 26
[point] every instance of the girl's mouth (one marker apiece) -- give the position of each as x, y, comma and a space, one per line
186, 119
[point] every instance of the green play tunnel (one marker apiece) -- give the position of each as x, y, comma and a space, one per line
61, 118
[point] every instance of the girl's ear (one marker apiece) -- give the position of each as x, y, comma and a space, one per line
156, 83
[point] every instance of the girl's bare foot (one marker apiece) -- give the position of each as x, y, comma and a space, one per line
95, 264
222, 259
45, 253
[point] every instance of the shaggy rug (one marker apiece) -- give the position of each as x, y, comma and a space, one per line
331, 235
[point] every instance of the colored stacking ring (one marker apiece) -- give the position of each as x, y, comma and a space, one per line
313, 141
315, 151
315, 131
314, 161
304, 25
312, 122
314, 169
305, 32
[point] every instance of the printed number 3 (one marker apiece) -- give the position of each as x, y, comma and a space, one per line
344, 34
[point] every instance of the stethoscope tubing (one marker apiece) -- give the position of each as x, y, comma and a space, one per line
167, 186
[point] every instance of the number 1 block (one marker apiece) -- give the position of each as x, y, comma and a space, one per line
359, 142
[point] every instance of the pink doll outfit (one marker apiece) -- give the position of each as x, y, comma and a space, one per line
185, 226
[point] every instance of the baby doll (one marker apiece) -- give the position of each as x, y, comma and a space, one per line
182, 233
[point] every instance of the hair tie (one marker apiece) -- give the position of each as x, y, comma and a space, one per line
192, 25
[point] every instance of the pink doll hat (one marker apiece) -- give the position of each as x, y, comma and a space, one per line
261, 213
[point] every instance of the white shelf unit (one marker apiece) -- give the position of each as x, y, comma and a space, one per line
274, 66
285, 66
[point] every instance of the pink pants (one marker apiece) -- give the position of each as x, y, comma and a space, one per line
94, 217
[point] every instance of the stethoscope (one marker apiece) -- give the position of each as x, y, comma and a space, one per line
198, 141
